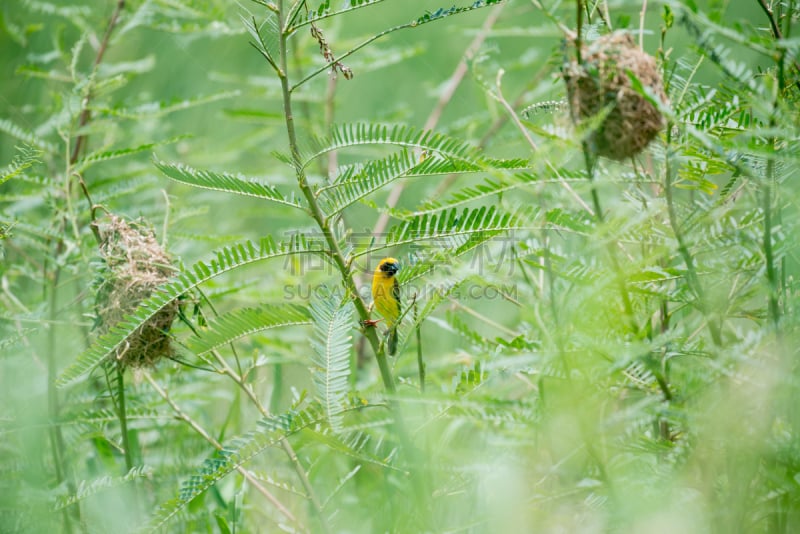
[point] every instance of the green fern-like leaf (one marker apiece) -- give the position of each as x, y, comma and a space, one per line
493, 345
106, 155
29, 138
119, 189
26, 157
721, 55
222, 181
576, 223
489, 188
356, 182
71, 12
11, 340
239, 452
331, 346
363, 446
344, 480
470, 378
86, 489
426, 262
359, 181
452, 223
441, 13
159, 109
224, 261
445, 147
298, 19
97, 418
443, 292
247, 321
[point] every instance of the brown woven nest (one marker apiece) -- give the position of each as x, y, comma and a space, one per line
135, 264
601, 90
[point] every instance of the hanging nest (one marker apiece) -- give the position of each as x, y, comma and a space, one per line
601, 89
134, 265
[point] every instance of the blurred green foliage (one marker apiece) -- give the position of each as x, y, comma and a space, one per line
611, 348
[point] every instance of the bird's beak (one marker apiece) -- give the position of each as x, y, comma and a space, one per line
393, 268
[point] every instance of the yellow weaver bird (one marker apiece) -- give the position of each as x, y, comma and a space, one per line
386, 295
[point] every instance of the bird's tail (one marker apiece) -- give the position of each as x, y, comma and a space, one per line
392, 340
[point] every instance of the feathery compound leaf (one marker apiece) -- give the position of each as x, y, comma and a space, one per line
222, 181
359, 181
722, 55
86, 489
363, 446
225, 260
98, 418
419, 21
25, 136
106, 155
235, 455
490, 187
331, 359
360, 134
247, 321
427, 261
577, 223
453, 10
356, 182
344, 480
454, 223
26, 157
159, 109
325, 11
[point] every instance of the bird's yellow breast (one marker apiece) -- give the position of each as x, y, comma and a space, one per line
386, 291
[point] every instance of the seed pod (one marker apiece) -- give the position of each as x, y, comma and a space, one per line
601, 88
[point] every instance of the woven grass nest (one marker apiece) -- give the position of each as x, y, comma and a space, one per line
601, 88
134, 265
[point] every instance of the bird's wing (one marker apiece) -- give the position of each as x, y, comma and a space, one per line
396, 296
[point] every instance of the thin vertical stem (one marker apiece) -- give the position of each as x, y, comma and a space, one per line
420, 361
336, 254
627, 304
285, 445
344, 266
772, 276
86, 114
777, 34
776, 31
56, 438
691, 272
791, 12
123, 416
579, 31
277, 388
642, 14
183, 416
766, 190
330, 109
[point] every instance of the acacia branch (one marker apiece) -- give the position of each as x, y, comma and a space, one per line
413, 24
776, 31
691, 272
444, 98
86, 114
183, 416
342, 264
